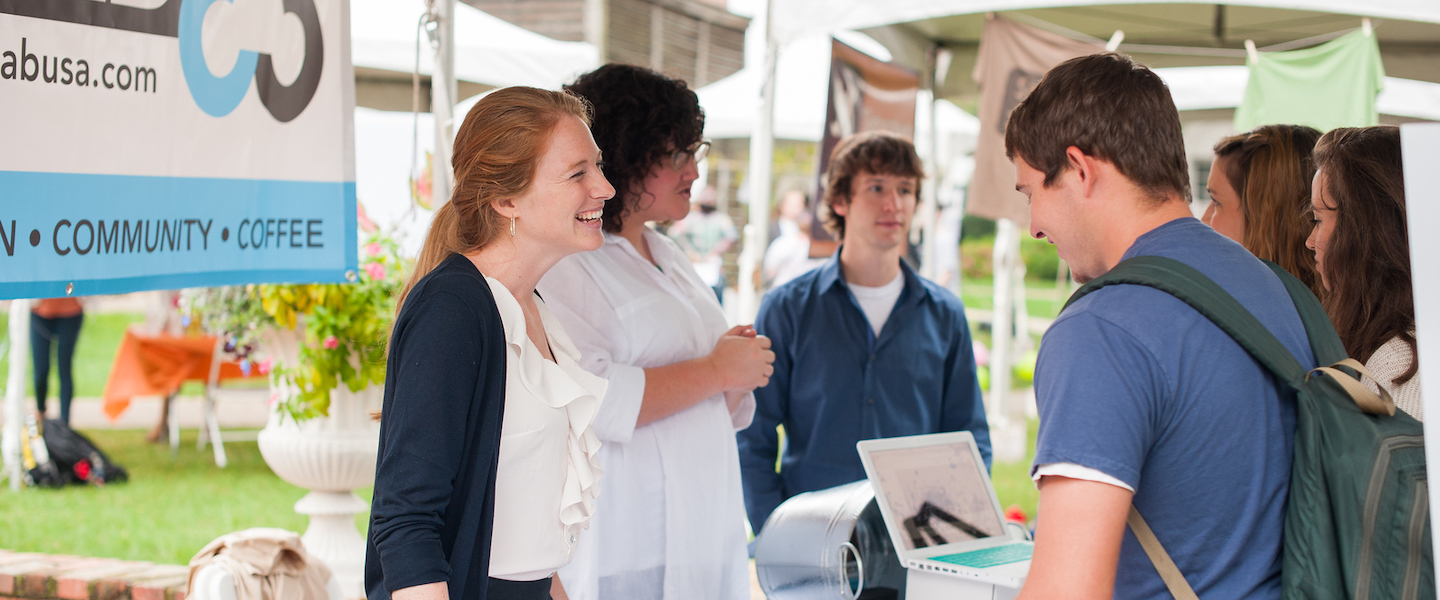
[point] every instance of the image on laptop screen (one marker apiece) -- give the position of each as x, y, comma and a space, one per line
937, 493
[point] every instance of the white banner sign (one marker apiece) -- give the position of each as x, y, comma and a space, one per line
153, 144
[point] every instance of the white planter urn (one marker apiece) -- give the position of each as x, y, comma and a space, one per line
330, 456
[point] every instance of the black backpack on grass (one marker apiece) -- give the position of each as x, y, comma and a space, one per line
1358, 520
76, 459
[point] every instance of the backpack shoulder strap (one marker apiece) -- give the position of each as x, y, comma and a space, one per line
1209, 299
1329, 350
1324, 341
1169, 573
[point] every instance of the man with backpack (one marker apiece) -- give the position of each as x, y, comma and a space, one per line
1143, 399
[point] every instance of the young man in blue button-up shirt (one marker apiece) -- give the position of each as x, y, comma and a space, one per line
864, 348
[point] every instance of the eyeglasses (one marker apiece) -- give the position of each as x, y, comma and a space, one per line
681, 158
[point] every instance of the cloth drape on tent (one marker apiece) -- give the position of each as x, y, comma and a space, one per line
1328, 86
1013, 57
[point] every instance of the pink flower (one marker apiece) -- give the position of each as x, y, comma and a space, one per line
982, 354
265, 366
376, 271
330, 343
373, 248
363, 219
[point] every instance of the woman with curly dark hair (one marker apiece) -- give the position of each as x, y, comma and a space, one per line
670, 523
1362, 251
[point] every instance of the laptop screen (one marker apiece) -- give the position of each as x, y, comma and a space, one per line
938, 494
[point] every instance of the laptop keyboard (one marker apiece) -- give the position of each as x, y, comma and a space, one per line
988, 557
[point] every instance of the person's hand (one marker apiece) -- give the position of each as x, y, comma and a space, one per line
742, 359
742, 330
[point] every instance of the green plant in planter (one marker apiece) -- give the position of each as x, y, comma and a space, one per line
346, 327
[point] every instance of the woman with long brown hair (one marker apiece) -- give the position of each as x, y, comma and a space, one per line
1362, 252
487, 466
1260, 195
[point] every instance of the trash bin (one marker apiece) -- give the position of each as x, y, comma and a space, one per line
828, 544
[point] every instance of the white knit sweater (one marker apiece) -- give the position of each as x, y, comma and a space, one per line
1390, 360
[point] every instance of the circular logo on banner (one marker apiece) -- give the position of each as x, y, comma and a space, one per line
218, 96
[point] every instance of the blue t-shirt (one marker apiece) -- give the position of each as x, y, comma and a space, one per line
1133, 382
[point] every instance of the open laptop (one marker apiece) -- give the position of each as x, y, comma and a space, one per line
941, 510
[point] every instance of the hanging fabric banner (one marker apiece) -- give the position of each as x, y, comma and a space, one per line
155, 144
1012, 59
1327, 86
866, 94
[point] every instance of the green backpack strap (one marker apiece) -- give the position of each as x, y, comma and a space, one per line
1209, 299
1324, 341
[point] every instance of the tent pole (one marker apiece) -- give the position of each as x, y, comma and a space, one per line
15, 389
442, 101
929, 205
762, 151
1007, 434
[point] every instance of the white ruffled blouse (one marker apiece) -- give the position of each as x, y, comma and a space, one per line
549, 471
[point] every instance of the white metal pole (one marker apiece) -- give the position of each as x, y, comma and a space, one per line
15, 389
442, 101
762, 152
1006, 444
930, 206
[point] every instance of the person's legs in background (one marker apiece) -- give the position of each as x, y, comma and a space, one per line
40, 334
67, 329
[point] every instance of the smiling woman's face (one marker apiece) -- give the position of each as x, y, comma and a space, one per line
561, 209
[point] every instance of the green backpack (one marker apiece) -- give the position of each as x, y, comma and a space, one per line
1358, 520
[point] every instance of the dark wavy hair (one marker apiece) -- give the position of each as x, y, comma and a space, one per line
1367, 265
1270, 168
640, 118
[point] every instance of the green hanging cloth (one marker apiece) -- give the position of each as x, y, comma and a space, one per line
1328, 86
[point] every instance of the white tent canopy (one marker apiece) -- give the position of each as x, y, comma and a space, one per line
802, 88
795, 18
488, 50
1170, 34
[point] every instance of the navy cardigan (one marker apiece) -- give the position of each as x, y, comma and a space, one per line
434, 505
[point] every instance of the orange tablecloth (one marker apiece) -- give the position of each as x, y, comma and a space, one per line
156, 365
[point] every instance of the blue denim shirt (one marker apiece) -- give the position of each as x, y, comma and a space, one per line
836, 383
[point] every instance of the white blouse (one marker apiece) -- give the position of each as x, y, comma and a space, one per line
546, 484
672, 521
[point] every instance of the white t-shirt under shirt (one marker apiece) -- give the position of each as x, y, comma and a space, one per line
877, 302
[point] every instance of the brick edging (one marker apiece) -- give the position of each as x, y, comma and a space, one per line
34, 576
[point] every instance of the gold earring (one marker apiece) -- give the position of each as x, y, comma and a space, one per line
512, 227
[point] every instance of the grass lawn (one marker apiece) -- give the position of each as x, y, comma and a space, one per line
1012, 479
172, 507
166, 513
1041, 299
94, 353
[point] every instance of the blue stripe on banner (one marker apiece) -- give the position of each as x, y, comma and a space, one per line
110, 234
